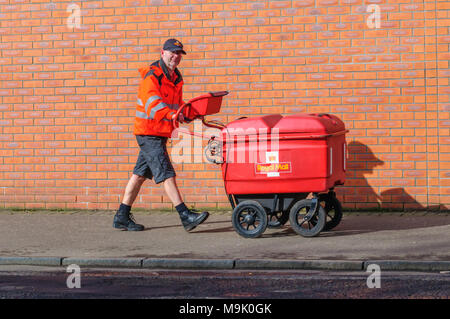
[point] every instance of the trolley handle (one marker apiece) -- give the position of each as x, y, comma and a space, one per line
219, 93
189, 103
213, 124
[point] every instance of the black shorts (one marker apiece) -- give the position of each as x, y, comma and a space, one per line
153, 160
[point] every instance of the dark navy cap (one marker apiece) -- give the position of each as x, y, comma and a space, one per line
173, 45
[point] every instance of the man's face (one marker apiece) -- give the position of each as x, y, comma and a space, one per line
171, 59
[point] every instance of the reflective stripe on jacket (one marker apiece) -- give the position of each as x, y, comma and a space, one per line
158, 100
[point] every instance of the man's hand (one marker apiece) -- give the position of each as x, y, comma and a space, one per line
180, 118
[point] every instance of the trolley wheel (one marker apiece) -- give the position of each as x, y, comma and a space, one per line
277, 219
299, 219
333, 210
249, 219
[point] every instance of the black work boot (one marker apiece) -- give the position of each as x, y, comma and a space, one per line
190, 219
124, 220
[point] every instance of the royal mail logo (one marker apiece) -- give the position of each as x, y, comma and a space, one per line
264, 168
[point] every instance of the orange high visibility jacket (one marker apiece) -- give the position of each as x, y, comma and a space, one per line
158, 100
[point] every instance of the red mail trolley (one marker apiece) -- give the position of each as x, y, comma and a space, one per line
277, 168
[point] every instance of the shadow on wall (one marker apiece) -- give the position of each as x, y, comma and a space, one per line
361, 164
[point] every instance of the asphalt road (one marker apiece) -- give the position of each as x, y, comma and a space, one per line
52, 282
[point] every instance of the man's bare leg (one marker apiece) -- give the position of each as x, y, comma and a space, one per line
132, 189
171, 188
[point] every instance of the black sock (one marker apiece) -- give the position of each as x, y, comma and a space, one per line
124, 208
181, 208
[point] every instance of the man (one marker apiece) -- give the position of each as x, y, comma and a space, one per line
159, 96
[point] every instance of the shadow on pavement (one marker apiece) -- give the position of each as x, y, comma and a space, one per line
350, 225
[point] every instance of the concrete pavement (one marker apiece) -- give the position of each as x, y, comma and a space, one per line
409, 241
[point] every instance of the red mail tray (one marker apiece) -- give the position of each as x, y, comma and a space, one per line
205, 104
298, 153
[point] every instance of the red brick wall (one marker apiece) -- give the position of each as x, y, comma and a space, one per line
68, 94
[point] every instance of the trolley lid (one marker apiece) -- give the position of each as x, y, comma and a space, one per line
321, 123
253, 125
296, 123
